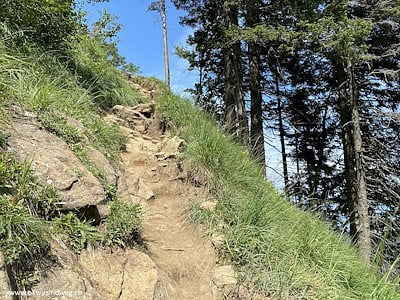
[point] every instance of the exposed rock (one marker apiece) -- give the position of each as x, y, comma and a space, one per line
114, 120
141, 190
103, 211
141, 111
146, 88
54, 163
146, 137
97, 159
146, 109
208, 205
65, 284
217, 239
141, 277
137, 118
172, 147
59, 249
131, 188
224, 276
122, 274
160, 155
4, 281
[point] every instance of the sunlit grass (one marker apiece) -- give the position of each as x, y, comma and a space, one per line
279, 248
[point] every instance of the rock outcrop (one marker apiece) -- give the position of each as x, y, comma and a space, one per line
128, 274
98, 160
98, 274
53, 162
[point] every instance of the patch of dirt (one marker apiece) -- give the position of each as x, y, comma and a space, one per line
184, 257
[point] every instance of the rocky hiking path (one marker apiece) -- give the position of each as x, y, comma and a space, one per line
179, 261
184, 257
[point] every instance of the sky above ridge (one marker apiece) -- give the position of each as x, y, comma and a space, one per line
141, 39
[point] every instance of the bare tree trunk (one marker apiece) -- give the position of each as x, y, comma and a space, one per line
281, 130
165, 37
240, 101
243, 126
235, 112
361, 230
354, 169
298, 188
199, 87
256, 109
229, 92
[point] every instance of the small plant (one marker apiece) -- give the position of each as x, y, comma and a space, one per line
123, 224
60, 127
46, 203
21, 235
110, 190
80, 233
26, 278
17, 181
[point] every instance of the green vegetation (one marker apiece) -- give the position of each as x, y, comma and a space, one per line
99, 75
23, 236
123, 224
48, 88
79, 233
49, 24
67, 83
68, 86
276, 246
29, 216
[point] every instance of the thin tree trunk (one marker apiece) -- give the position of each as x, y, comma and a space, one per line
361, 220
240, 101
256, 109
281, 130
199, 89
229, 96
243, 126
354, 169
298, 183
165, 37
256, 129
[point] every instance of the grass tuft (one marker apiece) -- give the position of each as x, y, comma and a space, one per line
123, 225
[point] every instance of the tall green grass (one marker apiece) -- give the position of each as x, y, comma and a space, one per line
277, 247
88, 59
42, 83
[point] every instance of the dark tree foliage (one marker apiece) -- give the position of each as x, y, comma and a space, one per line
329, 78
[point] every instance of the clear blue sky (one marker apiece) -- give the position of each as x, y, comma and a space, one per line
141, 38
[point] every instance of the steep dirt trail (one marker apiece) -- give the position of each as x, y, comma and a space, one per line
184, 257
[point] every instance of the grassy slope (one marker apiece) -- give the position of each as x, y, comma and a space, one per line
59, 90
276, 246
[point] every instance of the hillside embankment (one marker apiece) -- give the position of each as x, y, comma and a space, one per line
172, 259
152, 201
